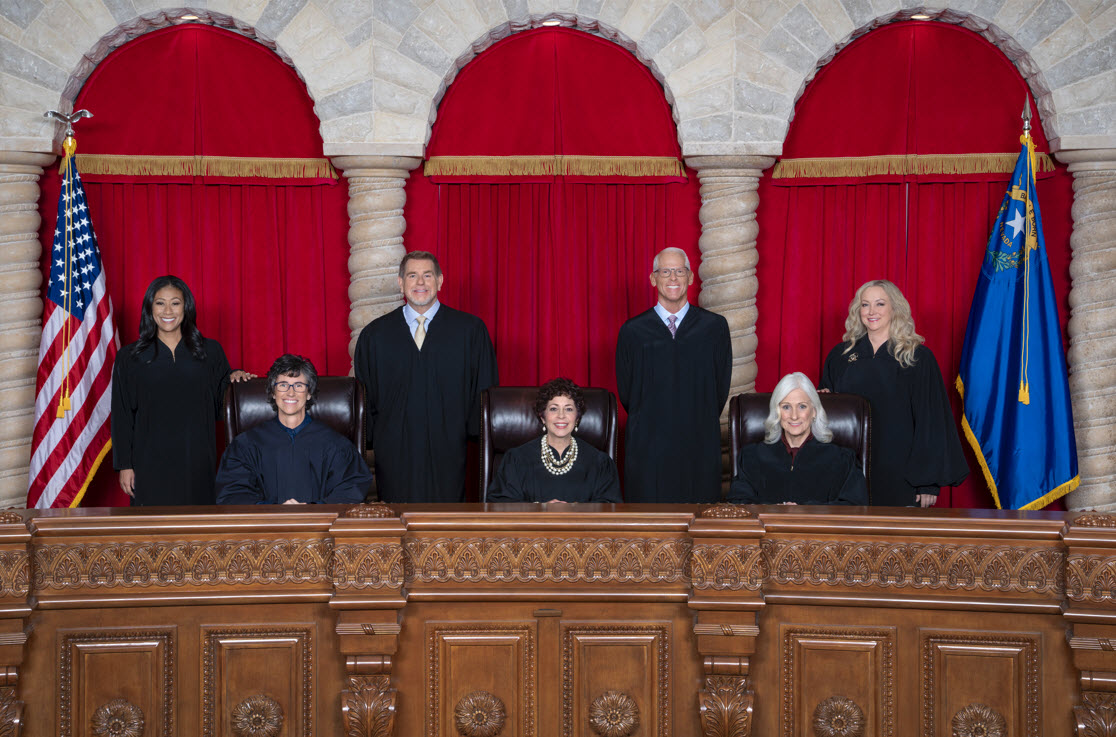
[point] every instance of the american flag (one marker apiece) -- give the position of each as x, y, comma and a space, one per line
79, 343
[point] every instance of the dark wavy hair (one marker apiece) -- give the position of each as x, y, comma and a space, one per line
560, 387
292, 364
191, 336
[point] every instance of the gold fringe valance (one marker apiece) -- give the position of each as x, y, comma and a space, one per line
903, 164
205, 166
551, 166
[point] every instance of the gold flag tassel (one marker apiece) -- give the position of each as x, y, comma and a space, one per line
69, 146
1030, 243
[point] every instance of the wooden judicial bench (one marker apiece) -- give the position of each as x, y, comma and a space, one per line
528, 621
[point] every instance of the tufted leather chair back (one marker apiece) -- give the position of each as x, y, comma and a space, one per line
339, 404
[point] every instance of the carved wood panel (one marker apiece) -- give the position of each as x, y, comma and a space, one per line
605, 664
98, 667
975, 680
831, 675
245, 670
479, 677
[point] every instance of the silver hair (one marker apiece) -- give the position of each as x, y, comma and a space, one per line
773, 431
670, 249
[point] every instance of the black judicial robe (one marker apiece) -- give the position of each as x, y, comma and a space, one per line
266, 465
822, 473
674, 391
423, 405
915, 447
164, 416
522, 477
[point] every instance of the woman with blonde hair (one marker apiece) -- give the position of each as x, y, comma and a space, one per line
915, 446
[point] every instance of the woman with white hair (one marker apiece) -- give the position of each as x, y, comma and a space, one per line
796, 463
915, 446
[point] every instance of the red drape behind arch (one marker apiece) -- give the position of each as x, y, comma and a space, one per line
259, 231
553, 264
948, 91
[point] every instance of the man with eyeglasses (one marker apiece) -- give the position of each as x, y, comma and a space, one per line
424, 367
292, 459
673, 365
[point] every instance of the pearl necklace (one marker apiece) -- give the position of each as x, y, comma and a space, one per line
557, 468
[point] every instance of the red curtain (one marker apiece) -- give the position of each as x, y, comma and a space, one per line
266, 258
820, 240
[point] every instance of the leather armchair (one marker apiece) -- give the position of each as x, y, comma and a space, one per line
339, 404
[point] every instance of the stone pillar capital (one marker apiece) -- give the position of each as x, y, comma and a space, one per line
1088, 158
30, 159
751, 164
370, 165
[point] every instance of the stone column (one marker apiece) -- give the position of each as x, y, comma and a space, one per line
376, 228
21, 312
1092, 325
728, 252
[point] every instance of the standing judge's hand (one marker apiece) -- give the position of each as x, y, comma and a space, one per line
241, 375
128, 481
926, 500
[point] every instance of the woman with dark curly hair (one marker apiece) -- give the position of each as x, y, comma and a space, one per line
555, 467
167, 389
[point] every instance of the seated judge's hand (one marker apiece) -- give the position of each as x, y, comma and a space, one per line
293, 501
128, 481
241, 375
557, 501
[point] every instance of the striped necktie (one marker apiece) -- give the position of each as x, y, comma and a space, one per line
673, 325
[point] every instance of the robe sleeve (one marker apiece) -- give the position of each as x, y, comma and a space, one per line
741, 490
364, 366
607, 489
854, 489
828, 374
485, 374
219, 372
123, 411
348, 479
723, 352
238, 478
507, 485
936, 457
625, 364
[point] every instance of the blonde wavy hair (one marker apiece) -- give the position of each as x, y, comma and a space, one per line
903, 340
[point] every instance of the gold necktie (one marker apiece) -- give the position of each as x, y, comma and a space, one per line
420, 331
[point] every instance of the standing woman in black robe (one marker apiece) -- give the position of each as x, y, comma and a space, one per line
915, 446
556, 467
167, 390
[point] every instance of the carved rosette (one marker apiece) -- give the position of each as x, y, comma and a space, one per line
613, 714
727, 511
726, 707
838, 717
11, 518
989, 568
1096, 717
978, 720
1095, 520
378, 510
729, 199
257, 716
117, 718
376, 226
368, 707
479, 714
11, 713
547, 559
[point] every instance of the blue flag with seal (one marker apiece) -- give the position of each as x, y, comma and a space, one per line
1012, 378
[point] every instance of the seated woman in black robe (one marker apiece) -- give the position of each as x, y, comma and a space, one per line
796, 463
556, 467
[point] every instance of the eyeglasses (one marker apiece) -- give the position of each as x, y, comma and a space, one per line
679, 272
298, 386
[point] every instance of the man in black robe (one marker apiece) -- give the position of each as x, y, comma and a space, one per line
673, 366
292, 459
423, 367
